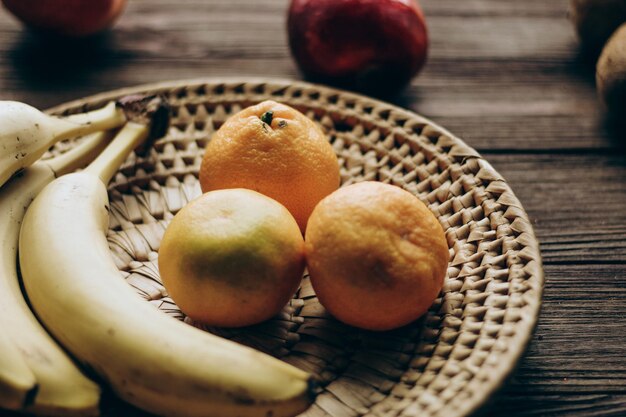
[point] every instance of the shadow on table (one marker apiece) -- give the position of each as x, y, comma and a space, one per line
584, 68
616, 131
45, 61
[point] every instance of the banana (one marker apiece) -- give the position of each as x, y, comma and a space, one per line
17, 382
36, 375
28, 133
148, 358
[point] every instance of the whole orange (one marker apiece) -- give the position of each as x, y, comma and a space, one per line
377, 257
275, 150
232, 258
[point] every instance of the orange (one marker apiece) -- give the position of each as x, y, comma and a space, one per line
232, 258
275, 150
377, 257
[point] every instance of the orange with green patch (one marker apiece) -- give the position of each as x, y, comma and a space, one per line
232, 258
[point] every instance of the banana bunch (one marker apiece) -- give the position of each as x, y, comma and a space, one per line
148, 358
36, 375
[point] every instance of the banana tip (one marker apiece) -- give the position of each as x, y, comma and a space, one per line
31, 395
313, 389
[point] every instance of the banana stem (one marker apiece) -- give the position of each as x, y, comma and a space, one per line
106, 118
108, 162
81, 154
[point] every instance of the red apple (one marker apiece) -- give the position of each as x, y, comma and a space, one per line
67, 17
375, 46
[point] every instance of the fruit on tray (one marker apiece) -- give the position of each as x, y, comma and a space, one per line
28, 133
611, 73
232, 258
67, 17
377, 257
57, 384
148, 358
375, 46
596, 20
275, 150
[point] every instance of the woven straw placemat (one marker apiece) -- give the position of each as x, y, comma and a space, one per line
445, 364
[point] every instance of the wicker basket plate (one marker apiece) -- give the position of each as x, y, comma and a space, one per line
447, 363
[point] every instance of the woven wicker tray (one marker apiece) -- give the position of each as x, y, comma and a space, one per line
447, 363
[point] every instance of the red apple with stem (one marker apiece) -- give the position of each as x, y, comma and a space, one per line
376, 46
67, 17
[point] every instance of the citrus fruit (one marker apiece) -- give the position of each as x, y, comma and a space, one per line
376, 255
232, 258
275, 150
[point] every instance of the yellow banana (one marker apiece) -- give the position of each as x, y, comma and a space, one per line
148, 358
50, 382
28, 133
17, 382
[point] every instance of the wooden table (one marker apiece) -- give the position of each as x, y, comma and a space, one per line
506, 76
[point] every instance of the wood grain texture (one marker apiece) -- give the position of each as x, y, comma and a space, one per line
506, 76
